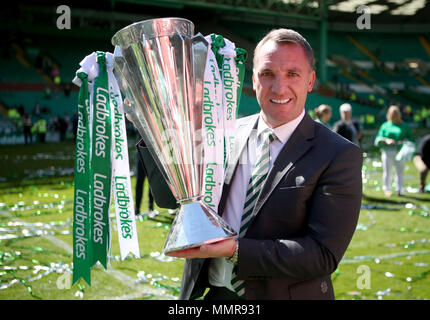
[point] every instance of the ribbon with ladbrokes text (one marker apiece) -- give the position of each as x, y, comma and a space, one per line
231, 63
223, 81
81, 215
101, 166
213, 132
121, 184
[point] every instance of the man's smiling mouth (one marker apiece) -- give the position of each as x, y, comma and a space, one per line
280, 101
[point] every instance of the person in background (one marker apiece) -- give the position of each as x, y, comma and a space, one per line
27, 124
36, 109
39, 128
63, 125
390, 138
323, 114
75, 120
422, 160
14, 116
53, 126
345, 127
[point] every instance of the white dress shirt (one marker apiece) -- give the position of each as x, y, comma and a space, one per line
220, 270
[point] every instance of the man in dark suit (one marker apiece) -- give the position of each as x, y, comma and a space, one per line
307, 207
345, 126
139, 187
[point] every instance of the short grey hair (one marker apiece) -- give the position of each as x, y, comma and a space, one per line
286, 36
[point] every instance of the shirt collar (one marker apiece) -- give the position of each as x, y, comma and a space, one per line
283, 132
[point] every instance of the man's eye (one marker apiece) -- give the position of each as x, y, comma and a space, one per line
266, 74
293, 74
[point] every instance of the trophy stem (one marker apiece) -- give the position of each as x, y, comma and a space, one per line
189, 200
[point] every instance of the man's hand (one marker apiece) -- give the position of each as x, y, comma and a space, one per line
390, 142
223, 248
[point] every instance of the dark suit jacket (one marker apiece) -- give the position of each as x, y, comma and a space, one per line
423, 150
341, 127
305, 216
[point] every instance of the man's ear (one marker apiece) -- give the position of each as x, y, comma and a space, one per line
253, 80
311, 81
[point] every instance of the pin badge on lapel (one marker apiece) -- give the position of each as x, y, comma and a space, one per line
300, 181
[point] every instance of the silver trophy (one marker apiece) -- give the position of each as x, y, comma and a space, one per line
160, 65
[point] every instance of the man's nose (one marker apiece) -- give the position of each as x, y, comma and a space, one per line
279, 85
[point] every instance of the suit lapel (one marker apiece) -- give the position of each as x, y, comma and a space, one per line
243, 131
299, 144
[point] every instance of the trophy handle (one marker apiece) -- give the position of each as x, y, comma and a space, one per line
200, 53
200, 48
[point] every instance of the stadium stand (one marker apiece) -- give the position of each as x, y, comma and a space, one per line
370, 69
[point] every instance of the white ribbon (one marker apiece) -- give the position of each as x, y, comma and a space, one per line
213, 132
121, 184
89, 66
229, 76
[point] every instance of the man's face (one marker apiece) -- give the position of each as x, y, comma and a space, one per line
346, 115
282, 79
326, 117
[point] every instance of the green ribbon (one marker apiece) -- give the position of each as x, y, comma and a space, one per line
240, 59
100, 177
81, 206
218, 42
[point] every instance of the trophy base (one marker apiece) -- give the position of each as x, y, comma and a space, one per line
196, 224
